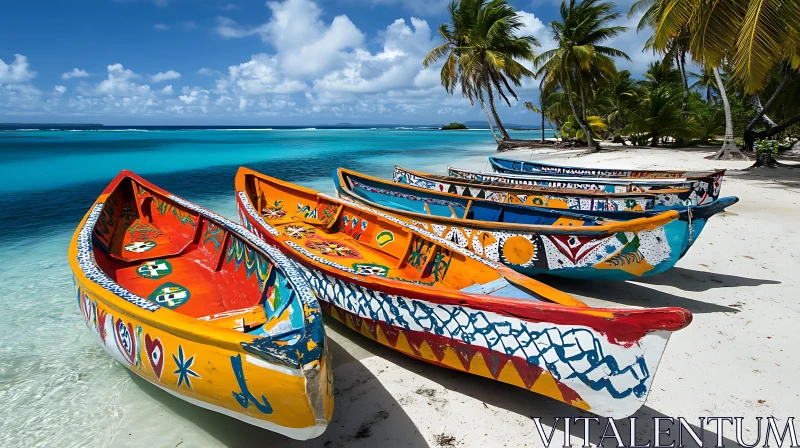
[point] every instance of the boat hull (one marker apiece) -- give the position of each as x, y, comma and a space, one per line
242, 376
541, 197
704, 191
578, 364
501, 164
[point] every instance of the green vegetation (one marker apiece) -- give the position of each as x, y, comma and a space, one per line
453, 126
747, 90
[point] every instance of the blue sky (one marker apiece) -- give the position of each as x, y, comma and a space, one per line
242, 62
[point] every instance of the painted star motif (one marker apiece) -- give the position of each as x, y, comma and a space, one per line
183, 371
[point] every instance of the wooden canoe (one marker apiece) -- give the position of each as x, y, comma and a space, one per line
426, 297
514, 166
534, 240
703, 191
203, 309
539, 196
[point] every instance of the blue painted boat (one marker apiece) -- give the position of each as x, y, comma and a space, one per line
534, 240
549, 197
515, 166
704, 191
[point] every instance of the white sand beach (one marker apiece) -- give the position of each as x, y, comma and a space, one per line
736, 358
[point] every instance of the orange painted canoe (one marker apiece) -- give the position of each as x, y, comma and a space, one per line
202, 309
426, 297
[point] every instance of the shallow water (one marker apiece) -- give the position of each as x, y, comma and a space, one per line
57, 386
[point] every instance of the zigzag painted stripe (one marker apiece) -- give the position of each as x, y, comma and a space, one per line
570, 353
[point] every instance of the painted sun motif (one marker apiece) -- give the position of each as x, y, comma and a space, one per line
298, 232
332, 248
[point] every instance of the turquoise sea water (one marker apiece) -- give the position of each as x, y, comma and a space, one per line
57, 386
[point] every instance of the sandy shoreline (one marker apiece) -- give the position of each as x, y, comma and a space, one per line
735, 359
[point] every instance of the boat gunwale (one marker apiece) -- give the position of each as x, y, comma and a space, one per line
672, 182
180, 325
606, 226
650, 194
645, 320
688, 174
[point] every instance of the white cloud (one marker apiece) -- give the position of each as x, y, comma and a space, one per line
229, 7
165, 76
260, 75
209, 72
315, 67
60, 89
306, 46
161, 27
120, 82
16, 72
75, 73
399, 65
532, 26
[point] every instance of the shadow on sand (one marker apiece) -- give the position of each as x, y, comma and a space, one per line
632, 294
697, 281
527, 404
365, 413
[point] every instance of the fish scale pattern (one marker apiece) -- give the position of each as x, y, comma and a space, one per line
577, 356
569, 353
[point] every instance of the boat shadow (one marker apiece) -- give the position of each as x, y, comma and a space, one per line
698, 281
495, 394
631, 294
364, 412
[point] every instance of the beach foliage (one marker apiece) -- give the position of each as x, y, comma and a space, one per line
581, 61
483, 54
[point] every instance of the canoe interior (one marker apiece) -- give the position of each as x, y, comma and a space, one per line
173, 256
339, 234
400, 197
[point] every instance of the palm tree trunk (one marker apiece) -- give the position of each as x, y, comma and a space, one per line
682, 65
572, 107
541, 104
488, 118
729, 150
761, 113
497, 117
587, 128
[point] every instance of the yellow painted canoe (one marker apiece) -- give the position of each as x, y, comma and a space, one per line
202, 309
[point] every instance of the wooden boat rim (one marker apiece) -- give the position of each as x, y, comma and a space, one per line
540, 188
179, 325
586, 180
607, 226
688, 174
665, 318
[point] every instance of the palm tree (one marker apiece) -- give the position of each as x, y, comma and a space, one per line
659, 115
754, 35
482, 50
675, 50
705, 81
615, 99
580, 60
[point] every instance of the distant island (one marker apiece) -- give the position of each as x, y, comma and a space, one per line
453, 126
